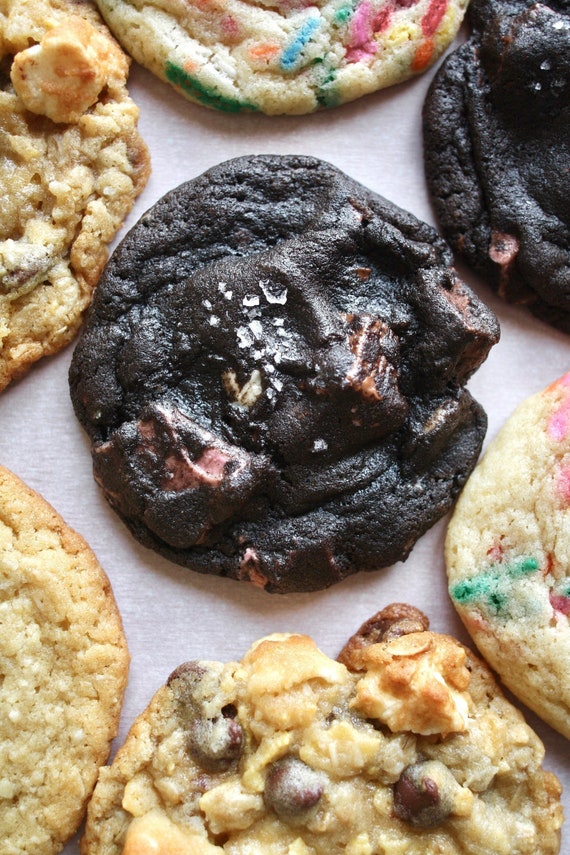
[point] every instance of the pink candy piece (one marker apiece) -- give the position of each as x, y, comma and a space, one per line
563, 483
559, 421
184, 473
560, 603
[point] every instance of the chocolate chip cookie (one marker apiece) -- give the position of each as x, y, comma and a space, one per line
497, 152
406, 745
272, 376
71, 164
63, 670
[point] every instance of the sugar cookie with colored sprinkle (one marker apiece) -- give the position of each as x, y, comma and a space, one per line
508, 554
283, 56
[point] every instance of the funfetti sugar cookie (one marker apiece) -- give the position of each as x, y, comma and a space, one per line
281, 56
63, 669
71, 164
497, 152
273, 376
508, 554
406, 745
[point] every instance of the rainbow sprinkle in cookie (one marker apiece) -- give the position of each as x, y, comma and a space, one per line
508, 554
283, 56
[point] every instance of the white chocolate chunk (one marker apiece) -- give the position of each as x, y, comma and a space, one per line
415, 683
63, 75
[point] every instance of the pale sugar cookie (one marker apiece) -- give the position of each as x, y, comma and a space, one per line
508, 554
283, 56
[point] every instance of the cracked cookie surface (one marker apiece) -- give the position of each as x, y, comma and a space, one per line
289, 752
282, 56
71, 165
273, 376
507, 554
63, 670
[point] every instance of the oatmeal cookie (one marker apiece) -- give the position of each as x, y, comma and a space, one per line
63, 669
283, 56
71, 164
497, 152
273, 376
508, 554
407, 745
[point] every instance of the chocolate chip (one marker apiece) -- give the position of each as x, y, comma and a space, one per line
292, 788
421, 796
189, 671
215, 744
395, 620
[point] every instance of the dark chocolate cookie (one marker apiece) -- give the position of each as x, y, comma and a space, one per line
272, 376
497, 152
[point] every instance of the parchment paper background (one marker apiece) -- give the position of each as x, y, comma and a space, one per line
171, 615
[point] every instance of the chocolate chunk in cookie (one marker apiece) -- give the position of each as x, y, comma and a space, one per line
272, 376
497, 152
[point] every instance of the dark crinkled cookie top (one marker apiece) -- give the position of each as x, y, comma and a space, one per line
497, 152
272, 376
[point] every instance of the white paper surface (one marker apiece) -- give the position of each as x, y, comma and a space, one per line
170, 614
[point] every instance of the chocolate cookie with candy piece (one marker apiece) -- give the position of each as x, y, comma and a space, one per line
405, 744
273, 376
497, 152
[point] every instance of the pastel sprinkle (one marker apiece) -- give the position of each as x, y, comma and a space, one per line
361, 23
343, 14
361, 43
563, 483
560, 603
292, 51
264, 51
432, 18
209, 97
327, 94
230, 28
559, 422
492, 588
423, 55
